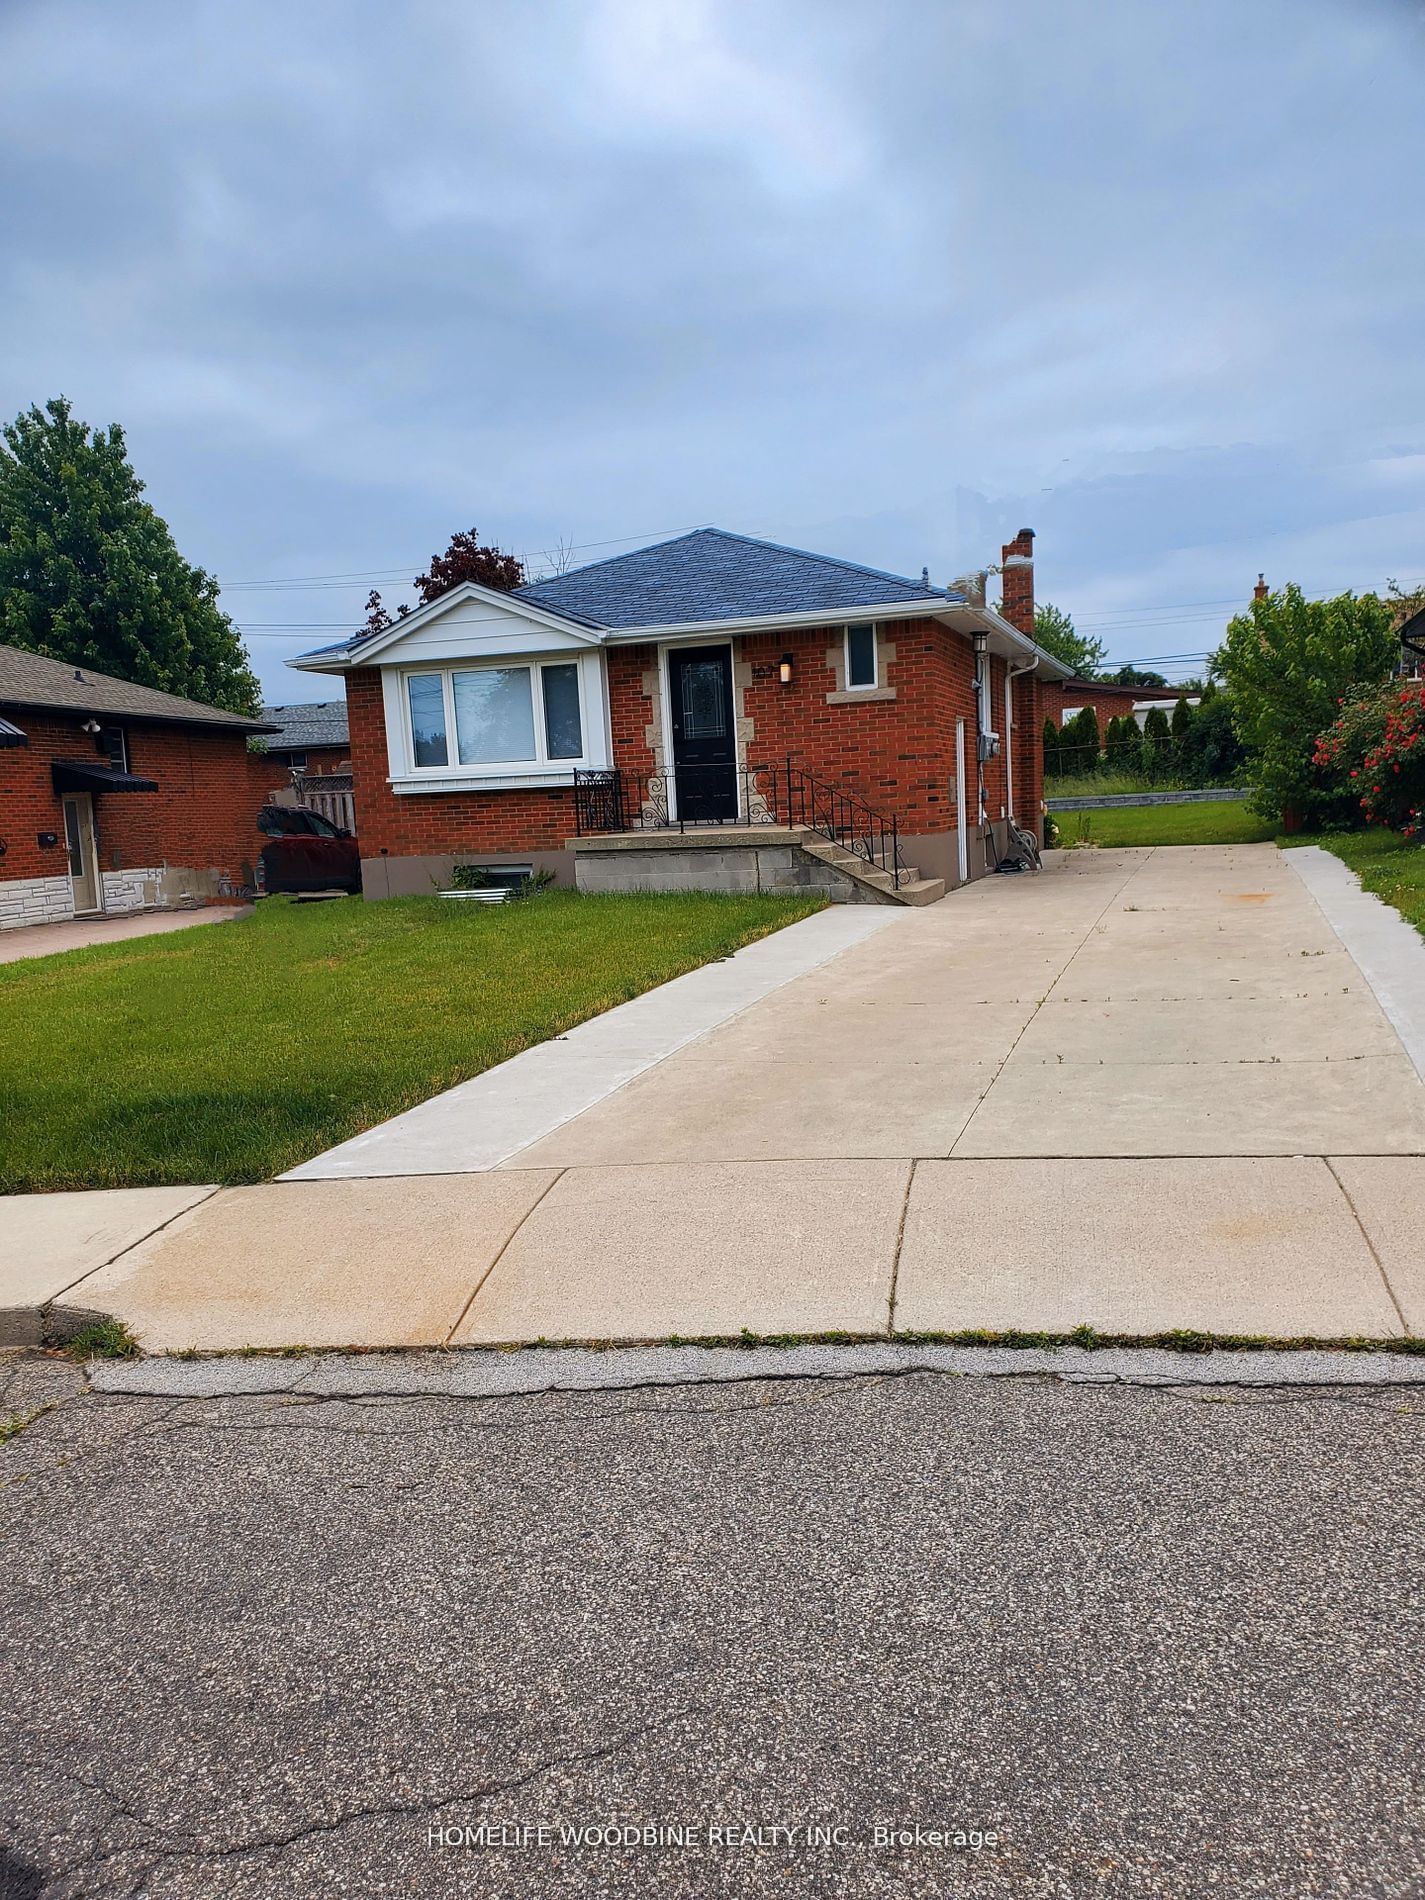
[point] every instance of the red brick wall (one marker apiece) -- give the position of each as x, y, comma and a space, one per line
267, 774
896, 754
28, 802
201, 818
1028, 749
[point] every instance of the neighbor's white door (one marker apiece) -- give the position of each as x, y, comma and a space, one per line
962, 842
83, 857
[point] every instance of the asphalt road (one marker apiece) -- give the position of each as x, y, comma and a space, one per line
1152, 1641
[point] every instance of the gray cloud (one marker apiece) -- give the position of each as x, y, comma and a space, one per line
890, 282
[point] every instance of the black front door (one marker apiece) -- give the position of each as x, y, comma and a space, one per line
704, 745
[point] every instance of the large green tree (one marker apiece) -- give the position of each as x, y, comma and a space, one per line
1054, 630
1289, 662
1134, 676
89, 574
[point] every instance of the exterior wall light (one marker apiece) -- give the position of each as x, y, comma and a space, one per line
784, 671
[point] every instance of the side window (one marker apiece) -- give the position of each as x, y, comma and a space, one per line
425, 693
563, 734
860, 657
113, 742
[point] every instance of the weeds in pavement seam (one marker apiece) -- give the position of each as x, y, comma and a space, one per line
103, 1339
13, 1423
1087, 1338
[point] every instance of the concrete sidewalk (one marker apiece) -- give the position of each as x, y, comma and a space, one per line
1151, 1090
1277, 1248
48, 940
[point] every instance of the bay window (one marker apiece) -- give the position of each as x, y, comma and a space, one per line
501, 715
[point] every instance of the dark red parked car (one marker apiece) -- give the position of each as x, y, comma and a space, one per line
305, 852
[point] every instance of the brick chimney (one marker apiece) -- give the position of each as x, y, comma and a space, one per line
1017, 581
1259, 592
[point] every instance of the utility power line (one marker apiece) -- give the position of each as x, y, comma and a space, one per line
354, 577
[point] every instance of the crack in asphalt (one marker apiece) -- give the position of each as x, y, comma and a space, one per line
823, 1388
382, 1401
159, 1853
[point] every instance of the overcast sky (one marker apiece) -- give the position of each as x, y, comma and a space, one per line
889, 281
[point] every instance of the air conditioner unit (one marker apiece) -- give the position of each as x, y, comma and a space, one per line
988, 746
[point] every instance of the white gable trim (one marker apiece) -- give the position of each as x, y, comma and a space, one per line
467, 594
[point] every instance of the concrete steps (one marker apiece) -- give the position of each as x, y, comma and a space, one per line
912, 889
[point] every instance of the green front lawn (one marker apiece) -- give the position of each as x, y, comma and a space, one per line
1391, 866
1220, 821
233, 1052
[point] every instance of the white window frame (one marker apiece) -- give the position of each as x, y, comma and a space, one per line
534, 665
872, 685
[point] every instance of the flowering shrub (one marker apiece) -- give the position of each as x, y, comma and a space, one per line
1375, 752
1393, 773
1340, 753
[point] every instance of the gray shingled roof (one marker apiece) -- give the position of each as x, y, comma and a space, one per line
712, 575
302, 728
30, 679
706, 575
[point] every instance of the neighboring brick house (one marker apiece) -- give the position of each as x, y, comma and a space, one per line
310, 739
115, 797
1064, 698
733, 687
307, 760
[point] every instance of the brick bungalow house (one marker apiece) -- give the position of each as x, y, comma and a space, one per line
710, 712
115, 797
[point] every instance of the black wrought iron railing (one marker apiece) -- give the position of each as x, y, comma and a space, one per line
694, 796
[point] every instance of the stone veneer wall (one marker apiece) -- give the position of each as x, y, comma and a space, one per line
132, 890
35, 900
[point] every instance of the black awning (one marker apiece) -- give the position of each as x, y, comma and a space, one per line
11, 735
79, 775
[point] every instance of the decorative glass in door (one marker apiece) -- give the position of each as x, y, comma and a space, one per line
704, 712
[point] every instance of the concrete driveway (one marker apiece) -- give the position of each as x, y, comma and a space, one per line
1184, 1002
1149, 1090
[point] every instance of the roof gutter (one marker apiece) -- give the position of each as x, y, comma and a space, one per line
329, 660
773, 623
1010, 641
959, 614
116, 715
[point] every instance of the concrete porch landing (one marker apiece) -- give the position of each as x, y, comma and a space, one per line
757, 857
1147, 1091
